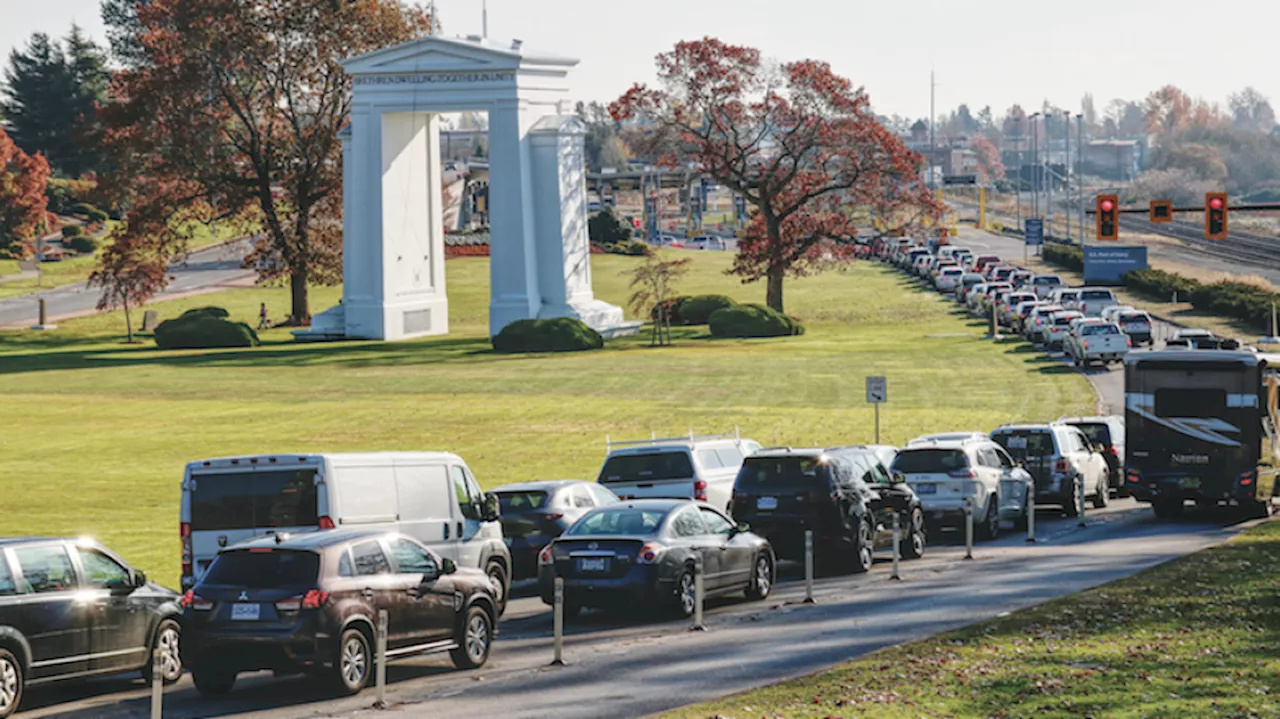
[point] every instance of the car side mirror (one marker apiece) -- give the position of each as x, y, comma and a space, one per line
139, 579
120, 586
448, 566
740, 528
430, 576
492, 511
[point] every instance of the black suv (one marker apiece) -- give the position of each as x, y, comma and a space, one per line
844, 494
309, 602
70, 608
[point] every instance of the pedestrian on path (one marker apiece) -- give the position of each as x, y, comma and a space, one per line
263, 322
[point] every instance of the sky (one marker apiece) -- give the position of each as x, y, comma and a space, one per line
984, 52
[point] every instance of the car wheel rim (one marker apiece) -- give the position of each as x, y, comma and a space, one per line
8, 685
495, 574
477, 639
864, 546
170, 658
764, 576
687, 598
354, 662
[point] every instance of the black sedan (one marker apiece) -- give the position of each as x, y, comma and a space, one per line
643, 553
534, 513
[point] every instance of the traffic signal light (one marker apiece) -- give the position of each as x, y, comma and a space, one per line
1161, 211
1215, 215
1108, 217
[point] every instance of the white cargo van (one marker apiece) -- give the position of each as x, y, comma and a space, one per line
430, 496
691, 467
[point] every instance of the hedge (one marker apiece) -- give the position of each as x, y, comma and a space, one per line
84, 208
697, 310
98, 216
204, 328
82, 244
674, 307
1159, 285
1065, 256
752, 320
1234, 300
560, 334
69, 231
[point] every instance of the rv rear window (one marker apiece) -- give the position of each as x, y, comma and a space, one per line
1179, 402
647, 466
254, 500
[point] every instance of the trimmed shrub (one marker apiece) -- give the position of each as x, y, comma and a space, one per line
604, 228
1064, 256
698, 310
204, 328
560, 334
674, 308
83, 208
97, 216
69, 231
1158, 284
752, 321
82, 244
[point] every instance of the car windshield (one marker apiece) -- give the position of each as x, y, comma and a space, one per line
646, 466
1048, 281
263, 569
520, 502
1097, 295
1099, 330
930, 461
618, 521
1064, 319
1135, 317
1021, 443
776, 472
1097, 432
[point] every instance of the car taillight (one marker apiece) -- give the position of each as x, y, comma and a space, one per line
1128, 341
553, 516
191, 601
1134, 476
1246, 478
325, 523
963, 474
700, 490
544, 557
1063, 465
1111, 449
648, 553
184, 533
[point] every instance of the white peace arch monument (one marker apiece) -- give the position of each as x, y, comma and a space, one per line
393, 205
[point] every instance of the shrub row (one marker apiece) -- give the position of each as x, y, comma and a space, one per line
560, 334
204, 328
632, 248
1065, 256
1235, 300
752, 321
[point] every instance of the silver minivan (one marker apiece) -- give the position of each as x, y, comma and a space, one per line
430, 496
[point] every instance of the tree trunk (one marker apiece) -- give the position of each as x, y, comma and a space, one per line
773, 289
128, 323
300, 312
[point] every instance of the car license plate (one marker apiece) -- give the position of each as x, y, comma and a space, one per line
245, 612
767, 503
593, 565
926, 489
1190, 483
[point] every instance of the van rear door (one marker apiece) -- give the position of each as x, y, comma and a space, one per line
226, 505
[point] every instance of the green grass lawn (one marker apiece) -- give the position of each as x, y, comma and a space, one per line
100, 431
78, 269
1197, 637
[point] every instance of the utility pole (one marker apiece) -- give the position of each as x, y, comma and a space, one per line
1048, 175
1066, 169
1017, 186
932, 119
1035, 165
1080, 170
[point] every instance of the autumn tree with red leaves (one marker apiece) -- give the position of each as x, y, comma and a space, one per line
130, 273
23, 203
799, 142
233, 108
990, 166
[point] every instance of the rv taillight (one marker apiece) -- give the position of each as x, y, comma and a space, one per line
325, 523
1134, 476
700, 490
184, 533
1247, 477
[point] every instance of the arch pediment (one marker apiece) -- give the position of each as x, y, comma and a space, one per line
440, 54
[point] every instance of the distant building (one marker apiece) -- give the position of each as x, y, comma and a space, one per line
1114, 159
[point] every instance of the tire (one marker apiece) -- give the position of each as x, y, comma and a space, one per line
863, 549
475, 639
913, 544
352, 663
1071, 500
1167, 509
167, 640
761, 578
499, 576
685, 595
12, 683
1103, 497
1253, 509
213, 681
990, 529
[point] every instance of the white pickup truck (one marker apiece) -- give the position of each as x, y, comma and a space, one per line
1097, 341
1093, 300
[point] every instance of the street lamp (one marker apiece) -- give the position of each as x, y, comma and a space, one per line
1035, 165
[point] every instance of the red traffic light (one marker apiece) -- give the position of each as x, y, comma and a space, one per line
1107, 205
1215, 203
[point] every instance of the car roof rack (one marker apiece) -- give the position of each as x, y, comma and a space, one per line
654, 439
778, 448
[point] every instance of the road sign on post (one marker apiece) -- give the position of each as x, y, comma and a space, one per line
877, 394
959, 179
1033, 232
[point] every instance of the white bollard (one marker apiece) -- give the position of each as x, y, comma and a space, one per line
157, 681
698, 596
1080, 492
968, 529
1031, 511
381, 659
558, 623
897, 548
808, 566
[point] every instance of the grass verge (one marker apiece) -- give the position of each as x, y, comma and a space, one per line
102, 430
1196, 637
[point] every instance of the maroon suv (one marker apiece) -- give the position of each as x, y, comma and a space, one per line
309, 602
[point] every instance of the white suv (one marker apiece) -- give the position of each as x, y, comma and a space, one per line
946, 473
1057, 455
690, 467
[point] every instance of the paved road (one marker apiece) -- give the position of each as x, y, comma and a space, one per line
205, 270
